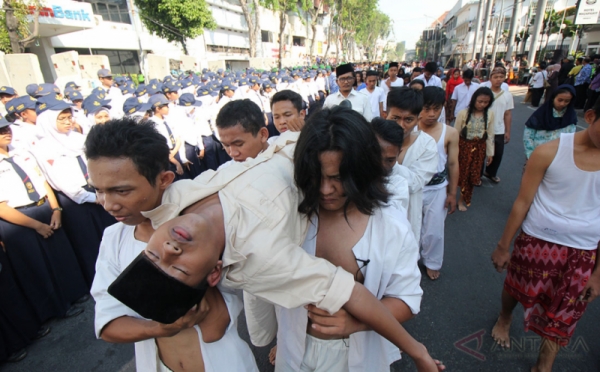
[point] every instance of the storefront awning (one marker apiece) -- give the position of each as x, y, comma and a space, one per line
61, 17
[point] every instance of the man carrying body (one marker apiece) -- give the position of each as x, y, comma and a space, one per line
354, 230
128, 166
360, 102
250, 209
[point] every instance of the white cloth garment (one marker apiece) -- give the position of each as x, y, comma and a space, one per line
115, 96
398, 83
324, 355
67, 144
421, 159
398, 185
360, 103
375, 98
462, 95
503, 101
162, 129
13, 191
565, 209
432, 230
25, 135
434, 81
392, 271
117, 249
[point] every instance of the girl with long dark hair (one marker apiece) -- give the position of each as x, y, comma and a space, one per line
475, 126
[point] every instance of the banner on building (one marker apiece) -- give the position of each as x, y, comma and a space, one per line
588, 12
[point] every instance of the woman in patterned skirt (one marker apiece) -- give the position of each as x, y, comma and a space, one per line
475, 126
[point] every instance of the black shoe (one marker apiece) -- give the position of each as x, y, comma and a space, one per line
42, 332
17, 356
73, 311
82, 299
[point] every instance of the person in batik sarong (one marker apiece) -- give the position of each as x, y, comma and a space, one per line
475, 126
553, 269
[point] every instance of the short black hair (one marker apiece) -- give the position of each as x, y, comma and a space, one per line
288, 95
417, 82
431, 67
243, 112
389, 131
417, 69
361, 170
405, 98
434, 97
468, 74
126, 138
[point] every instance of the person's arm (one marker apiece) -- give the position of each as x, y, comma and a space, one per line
507, 125
536, 167
60, 175
490, 145
591, 290
381, 112
453, 172
13, 216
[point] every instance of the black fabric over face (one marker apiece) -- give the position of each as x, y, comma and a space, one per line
153, 294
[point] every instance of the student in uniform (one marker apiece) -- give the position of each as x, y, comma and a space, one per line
137, 109
38, 250
160, 109
6, 94
19, 325
113, 93
199, 340
193, 139
61, 158
79, 117
97, 109
25, 131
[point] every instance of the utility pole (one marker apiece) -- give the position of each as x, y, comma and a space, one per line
537, 28
478, 26
499, 26
488, 13
517, 7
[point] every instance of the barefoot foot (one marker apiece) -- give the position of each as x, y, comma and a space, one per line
500, 332
462, 207
433, 274
272, 355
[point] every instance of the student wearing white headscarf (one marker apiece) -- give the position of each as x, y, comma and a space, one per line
61, 158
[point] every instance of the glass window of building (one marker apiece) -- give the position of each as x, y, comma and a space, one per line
111, 10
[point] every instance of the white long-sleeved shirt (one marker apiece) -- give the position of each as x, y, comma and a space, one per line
117, 250
360, 102
421, 159
392, 271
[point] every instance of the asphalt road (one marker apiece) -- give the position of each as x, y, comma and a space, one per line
457, 312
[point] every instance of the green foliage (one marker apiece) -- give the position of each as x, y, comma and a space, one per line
21, 12
176, 20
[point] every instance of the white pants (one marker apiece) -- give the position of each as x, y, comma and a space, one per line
325, 355
432, 229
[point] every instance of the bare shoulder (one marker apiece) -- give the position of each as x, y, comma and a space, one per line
543, 155
451, 134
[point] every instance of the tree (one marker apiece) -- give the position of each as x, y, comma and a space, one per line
284, 7
372, 26
176, 20
15, 35
314, 12
252, 16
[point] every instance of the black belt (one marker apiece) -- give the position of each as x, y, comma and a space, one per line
35, 204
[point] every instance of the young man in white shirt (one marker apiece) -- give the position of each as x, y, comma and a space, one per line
287, 112
392, 81
429, 76
439, 195
160, 111
419, 151
376, 94
345, 79
462, 94
357, 231
129, 166
112, 92
502, 108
